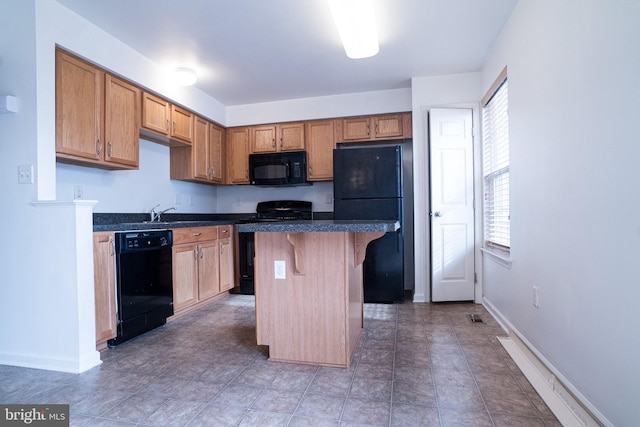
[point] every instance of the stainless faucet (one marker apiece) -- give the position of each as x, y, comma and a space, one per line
155, 216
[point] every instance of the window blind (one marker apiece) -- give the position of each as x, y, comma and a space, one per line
495, 162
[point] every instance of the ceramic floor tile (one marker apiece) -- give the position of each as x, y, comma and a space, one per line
366, 411
407, 415
415, 365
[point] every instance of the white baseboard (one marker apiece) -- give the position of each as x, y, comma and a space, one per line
563, 400
51, 364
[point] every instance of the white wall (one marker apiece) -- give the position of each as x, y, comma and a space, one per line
449, 91
574, 95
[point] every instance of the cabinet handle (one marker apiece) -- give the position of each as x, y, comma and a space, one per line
112, 245
174, 127
197, 234
281, 143
195, 253
167, 125
99, 147
368, 131
201, 253
221, 249
109, 149
377, 130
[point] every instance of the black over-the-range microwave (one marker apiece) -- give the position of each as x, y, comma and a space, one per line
284, 168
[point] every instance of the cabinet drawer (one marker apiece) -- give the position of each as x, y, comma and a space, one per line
194, 234
224, 231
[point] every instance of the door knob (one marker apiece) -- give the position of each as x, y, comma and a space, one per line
437, 214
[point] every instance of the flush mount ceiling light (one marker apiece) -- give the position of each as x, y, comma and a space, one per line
356, 24
185, 76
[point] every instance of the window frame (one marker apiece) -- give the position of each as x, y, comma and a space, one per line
491, 185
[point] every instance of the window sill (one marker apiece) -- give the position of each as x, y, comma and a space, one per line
501, 257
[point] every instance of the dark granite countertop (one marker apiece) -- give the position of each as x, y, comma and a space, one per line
140, 221
146, 225
318, 226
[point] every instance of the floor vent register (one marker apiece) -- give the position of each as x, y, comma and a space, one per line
474, 318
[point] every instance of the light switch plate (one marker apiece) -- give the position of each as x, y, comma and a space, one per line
25, 174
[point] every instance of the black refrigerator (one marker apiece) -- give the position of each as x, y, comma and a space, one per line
368, 185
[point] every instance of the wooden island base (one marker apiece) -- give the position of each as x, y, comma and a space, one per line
315, 314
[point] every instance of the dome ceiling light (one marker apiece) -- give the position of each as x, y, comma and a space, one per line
185, 76
356, 24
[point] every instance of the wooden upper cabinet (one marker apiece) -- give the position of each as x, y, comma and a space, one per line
164, 122
238, 155
156, 114
368, 128
203, 160
291, 136
216, 153
181, 124
122, 122
263, 139
201, 149
96, 121
320, 144
78, 108
357, 128
277, 137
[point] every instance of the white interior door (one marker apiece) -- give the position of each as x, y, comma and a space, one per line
452, 211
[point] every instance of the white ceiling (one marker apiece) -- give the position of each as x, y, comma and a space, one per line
248, 51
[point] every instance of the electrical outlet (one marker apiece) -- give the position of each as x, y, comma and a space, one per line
178, 199
279, 270
536, 296
328, 198
238, 201
77, 192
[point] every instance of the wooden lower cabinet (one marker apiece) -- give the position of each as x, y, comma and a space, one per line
202, 266
104, 275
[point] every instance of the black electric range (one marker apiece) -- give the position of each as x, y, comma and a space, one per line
274, 210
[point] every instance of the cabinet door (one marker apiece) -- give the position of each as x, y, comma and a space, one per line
122, 122
263, 139
79, 101
320, 145
181, 124
185, 276
238, 149
156, 113
200, 152
104, 274
216, 153
208, 265
388, 126
291, 136
356, 128
226, 264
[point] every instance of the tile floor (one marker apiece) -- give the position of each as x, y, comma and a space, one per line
416, 365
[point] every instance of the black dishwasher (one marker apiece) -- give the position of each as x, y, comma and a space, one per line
144, 278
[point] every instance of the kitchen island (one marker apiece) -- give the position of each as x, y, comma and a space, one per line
308, 287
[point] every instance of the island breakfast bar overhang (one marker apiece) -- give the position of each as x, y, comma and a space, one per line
308, 287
